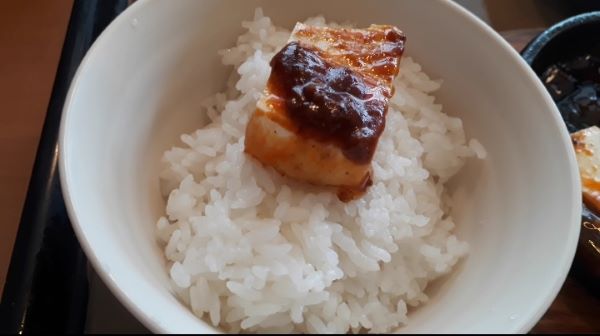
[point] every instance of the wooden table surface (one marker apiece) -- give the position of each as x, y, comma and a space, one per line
33, 31
31, 37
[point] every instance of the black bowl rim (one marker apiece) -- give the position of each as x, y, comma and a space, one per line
533, 48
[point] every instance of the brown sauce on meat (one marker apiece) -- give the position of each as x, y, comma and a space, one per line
375, 51
329, 102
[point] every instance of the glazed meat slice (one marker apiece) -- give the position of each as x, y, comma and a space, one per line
323, 110
586, 143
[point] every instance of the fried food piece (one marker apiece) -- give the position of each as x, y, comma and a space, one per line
324, 107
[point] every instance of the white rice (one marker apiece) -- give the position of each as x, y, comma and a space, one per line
252, 251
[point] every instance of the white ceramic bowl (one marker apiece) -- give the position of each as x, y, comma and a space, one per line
138, 88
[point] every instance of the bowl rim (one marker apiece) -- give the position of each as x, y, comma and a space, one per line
141, 312
535, 46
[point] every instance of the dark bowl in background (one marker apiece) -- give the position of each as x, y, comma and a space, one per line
573, 37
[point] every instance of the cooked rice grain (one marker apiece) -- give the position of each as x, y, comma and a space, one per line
252, 251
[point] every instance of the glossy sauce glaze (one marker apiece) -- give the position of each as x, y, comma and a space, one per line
374, 52
335, 84
329, 102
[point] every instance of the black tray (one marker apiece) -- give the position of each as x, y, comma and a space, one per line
49, 287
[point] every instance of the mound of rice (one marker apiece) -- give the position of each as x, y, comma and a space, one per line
251, 251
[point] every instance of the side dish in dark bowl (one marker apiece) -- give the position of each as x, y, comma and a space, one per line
566, 57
